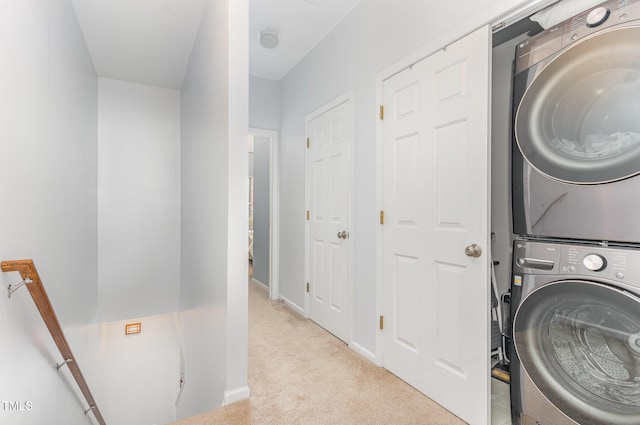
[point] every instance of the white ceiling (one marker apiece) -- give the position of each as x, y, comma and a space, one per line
150, 41
143, 41
300, 25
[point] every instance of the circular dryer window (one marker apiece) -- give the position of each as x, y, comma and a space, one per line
579, 342
578, 120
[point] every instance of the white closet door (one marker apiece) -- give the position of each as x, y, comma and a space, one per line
436, 202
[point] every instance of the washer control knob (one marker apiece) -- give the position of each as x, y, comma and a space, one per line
594, 262
571, 269
597, 16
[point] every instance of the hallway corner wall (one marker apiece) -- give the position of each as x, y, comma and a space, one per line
213, 320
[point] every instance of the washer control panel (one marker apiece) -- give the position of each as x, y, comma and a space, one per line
620, 264
594, 262
597, 261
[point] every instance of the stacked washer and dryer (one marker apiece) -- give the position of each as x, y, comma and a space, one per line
575, 301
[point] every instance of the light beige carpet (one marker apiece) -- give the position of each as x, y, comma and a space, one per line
301, 374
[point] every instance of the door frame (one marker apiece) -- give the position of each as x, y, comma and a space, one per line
346, 97
274, 210
499, 16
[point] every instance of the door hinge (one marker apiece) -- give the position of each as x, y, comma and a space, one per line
308, 142
381, 112
381, 322
307, 286
308, 215
381, 217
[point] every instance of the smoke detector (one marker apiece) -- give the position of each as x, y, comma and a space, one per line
269, 39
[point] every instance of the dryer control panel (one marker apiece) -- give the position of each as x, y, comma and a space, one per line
559, 36
600, 17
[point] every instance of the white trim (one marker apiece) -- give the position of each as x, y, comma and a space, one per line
522, 10
235, 395
351, 207
504, 13
274, 210
379, 354
305, 312
507, 12
293, 306
344, 98
260, 284
365, 353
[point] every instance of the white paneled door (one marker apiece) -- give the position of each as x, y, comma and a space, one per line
328, 193
435, 297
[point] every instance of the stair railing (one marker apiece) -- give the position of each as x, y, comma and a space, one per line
31, 280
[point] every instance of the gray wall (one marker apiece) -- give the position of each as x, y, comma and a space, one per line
204, 215
139, 203
261, 210
48, 174
374, 36
138, 249
213, 298
264, 103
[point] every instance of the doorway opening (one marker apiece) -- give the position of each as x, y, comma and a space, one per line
263, 225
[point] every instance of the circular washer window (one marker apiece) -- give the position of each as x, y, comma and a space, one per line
578, 121
579, 342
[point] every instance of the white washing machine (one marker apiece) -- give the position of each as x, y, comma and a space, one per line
575, 355
576, 152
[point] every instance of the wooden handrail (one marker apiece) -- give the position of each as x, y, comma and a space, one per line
28, 271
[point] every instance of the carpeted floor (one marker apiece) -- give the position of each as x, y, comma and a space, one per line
301, 374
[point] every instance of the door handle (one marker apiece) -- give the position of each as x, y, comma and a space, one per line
342, 235
473, 250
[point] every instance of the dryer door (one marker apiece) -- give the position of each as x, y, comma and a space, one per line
578, 120
579, 342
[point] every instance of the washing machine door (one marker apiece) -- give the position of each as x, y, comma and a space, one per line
579, 342
578, 121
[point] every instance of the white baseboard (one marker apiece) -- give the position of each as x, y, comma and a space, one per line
262, 285
293, 306
239, 394
364, 353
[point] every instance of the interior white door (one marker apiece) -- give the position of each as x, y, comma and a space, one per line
328, 192
436, 194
